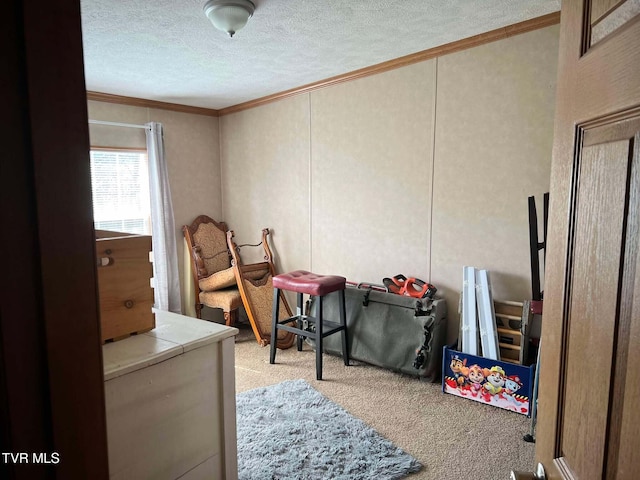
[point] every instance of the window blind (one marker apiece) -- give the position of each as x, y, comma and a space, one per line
120, 185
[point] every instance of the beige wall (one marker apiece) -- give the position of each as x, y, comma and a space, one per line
420, 170
192, 152
265, 179
371, 151
493, 150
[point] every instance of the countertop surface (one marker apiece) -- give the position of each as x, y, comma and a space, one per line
174, 335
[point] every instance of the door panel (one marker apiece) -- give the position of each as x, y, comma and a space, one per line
600, 7
592, 315
623, 455
607, 16
597, 328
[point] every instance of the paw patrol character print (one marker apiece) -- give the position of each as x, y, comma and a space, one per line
459, 369
512, 384
495, 380
476, 378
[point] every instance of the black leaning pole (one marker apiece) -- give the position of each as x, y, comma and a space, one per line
536, 293
535, 246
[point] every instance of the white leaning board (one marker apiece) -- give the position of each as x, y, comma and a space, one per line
469, 324
486, 316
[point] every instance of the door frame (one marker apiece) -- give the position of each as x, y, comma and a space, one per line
51, 376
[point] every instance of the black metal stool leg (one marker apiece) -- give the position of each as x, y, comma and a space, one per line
274, 325
319, 340
343, 322
313, 327
299, 322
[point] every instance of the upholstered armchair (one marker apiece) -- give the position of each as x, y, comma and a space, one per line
213, 277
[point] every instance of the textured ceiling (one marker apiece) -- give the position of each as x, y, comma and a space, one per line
167, 50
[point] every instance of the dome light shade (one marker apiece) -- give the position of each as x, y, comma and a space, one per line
229, 15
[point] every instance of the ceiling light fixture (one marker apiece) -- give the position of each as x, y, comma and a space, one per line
229, 15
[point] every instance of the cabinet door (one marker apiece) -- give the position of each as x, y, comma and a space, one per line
164, 420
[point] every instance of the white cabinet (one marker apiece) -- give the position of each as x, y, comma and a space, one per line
170, 401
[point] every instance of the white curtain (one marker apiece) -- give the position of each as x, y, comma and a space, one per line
166, 281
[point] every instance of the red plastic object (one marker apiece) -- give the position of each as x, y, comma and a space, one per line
414, 287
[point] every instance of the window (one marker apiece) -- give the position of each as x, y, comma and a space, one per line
120, 185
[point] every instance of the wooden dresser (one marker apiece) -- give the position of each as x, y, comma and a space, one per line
170, 401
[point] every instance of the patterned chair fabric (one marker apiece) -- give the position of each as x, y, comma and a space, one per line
213, 277
212, 241
217, 281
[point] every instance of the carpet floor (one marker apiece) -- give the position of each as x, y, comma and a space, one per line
291, 431
453, 438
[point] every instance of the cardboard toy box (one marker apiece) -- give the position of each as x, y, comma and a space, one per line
501, 384
124, 284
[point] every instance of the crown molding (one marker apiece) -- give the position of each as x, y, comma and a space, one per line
464, 44
143, 102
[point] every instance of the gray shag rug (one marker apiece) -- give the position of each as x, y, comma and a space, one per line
291, 431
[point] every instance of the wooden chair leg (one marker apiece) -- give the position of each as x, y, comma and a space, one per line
198, 310
230, 318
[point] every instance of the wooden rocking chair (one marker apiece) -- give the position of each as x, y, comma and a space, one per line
256, 290
213, 277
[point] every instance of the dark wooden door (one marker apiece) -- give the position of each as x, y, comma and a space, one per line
51, 375
590, 361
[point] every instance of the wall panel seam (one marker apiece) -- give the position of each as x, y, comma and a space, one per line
222, 209
434, 118
310, 180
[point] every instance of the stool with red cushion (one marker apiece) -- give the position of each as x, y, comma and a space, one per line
303, 282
